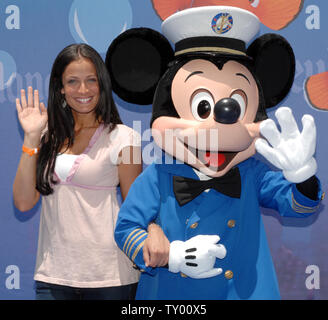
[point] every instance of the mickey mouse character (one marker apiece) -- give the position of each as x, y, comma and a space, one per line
209, 107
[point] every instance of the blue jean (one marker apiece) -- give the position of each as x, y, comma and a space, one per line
48, 291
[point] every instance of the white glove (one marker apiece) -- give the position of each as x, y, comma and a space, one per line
291, 151
196, 256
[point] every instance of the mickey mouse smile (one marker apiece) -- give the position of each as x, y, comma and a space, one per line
214, 160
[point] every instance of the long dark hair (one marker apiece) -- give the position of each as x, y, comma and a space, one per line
61, 121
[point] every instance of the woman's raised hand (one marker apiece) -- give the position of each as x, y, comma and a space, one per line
32, 114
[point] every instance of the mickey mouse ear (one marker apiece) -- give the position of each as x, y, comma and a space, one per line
136, 60
274, 66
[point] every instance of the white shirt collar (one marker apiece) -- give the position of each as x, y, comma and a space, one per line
201, 175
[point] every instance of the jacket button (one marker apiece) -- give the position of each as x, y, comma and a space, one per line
183, 275
228, 274
194, 225
231, 223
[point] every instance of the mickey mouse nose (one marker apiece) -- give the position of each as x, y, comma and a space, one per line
226, 111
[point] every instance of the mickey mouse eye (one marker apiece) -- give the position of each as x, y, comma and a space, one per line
241, 98
254, 3
202, 105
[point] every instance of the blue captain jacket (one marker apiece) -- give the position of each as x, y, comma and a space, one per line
248, 271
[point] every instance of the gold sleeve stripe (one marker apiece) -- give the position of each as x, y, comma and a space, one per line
132, 238
297, 207
129, 236
135, 242
137, 250
302, 210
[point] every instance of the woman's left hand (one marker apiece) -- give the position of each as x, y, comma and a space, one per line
156, 248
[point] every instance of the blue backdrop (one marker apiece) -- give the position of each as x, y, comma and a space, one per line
32, 32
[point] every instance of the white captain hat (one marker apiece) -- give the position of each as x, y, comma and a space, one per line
220, 29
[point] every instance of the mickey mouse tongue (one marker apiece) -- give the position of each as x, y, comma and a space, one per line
214, 159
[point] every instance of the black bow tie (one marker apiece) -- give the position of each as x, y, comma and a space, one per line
186, 189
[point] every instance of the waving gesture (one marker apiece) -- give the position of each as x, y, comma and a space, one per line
291, 150
32, 114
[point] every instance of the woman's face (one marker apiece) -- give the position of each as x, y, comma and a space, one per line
80, 86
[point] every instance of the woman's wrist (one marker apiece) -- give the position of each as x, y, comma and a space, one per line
32, 140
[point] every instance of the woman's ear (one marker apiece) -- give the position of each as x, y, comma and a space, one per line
274, 62
136, 60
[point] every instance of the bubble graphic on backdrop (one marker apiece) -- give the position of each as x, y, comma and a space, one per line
97, 23
7, 70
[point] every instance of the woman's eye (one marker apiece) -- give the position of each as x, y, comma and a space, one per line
254, 3
241, 98
202, 105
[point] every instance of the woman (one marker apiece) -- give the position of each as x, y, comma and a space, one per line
75, 153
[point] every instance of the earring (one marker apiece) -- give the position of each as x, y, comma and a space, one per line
64, 104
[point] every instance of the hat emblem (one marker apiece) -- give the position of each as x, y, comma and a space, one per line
222, 23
